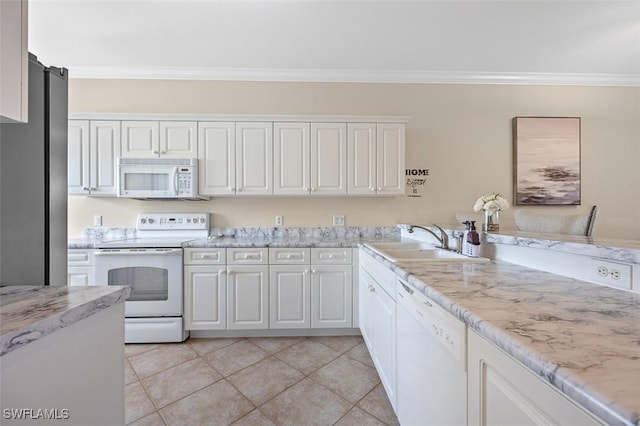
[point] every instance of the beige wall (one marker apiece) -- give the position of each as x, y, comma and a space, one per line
461, 133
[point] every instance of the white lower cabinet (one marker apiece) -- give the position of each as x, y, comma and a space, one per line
80, 268
289, 299
501, 391
259, 288
378, 320
331, 294
247, 297
205, 295
205, 289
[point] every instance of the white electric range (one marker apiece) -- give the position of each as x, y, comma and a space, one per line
151, 263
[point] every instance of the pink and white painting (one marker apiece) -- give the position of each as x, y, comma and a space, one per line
546, 160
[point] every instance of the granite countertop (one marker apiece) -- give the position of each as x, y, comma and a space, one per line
343, 236
607, 248
28, 313
581, 338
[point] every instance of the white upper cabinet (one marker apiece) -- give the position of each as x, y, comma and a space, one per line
376, 158
78, 157
14, 61
217, 155
140, 139
291, 159
93, 149
361, 141
254, 158
153, 139
328, 158
390, 158
249, 158
178, 139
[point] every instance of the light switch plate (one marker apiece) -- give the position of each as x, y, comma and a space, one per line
279, 220
338, 220
97, 220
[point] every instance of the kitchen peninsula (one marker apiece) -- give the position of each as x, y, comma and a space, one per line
577, 339
62, 354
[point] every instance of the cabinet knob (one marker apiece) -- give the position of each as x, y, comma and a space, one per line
163, 152
156, 152
314, 271
372, 189
85, 188
379, 189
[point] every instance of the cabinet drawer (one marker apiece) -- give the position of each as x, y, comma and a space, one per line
208, 256
386, 278
80, 257
331, 256
290, 256
247, 256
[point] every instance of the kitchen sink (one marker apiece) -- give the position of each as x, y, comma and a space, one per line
419, 252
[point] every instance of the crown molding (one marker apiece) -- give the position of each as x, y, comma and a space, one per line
354, 76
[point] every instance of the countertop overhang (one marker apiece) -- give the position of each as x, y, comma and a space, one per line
28, 313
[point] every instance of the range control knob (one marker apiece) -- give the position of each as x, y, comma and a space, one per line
143, 220
202, 220
151, 220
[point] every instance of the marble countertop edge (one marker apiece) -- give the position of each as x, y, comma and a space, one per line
21, 328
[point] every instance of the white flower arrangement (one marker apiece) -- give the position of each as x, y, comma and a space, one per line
491, 203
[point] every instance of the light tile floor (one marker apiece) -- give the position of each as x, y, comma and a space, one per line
255, 381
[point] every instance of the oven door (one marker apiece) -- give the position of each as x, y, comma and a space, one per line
154, 274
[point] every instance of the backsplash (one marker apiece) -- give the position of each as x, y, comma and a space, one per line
101, 233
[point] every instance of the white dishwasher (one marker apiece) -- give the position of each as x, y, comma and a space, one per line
431, 359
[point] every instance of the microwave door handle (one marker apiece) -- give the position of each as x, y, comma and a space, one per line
175, 181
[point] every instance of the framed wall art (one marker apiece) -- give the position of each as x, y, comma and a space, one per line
546, 160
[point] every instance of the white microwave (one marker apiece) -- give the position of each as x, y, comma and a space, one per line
158, 178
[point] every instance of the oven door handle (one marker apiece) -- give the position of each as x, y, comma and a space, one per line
148, 252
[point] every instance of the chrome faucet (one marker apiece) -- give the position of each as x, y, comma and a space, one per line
443, 239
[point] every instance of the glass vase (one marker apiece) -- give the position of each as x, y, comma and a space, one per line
491, 221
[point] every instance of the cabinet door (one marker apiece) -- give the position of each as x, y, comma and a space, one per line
254, 159
247, 297
205, 297
217, 158
291, 159
503, 391
328, 159
78, 157
104, 152
140, 139
80, 276
366, 300
361, 142
289, 299
80, 270
384, 340
331, 296
390, 158
178, 139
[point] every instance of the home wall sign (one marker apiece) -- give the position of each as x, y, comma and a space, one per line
546, 160
416, 180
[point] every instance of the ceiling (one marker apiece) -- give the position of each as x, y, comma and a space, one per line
523, 42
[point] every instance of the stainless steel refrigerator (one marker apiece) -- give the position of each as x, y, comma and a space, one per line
33, 184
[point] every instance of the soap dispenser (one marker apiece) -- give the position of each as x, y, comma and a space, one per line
470, 240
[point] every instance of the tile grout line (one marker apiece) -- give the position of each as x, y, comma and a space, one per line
269, 355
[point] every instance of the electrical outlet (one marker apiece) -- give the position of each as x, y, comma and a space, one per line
279, 220
611, 273
97, 220
338, 220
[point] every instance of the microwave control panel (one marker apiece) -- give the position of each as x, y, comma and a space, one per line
185, 179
